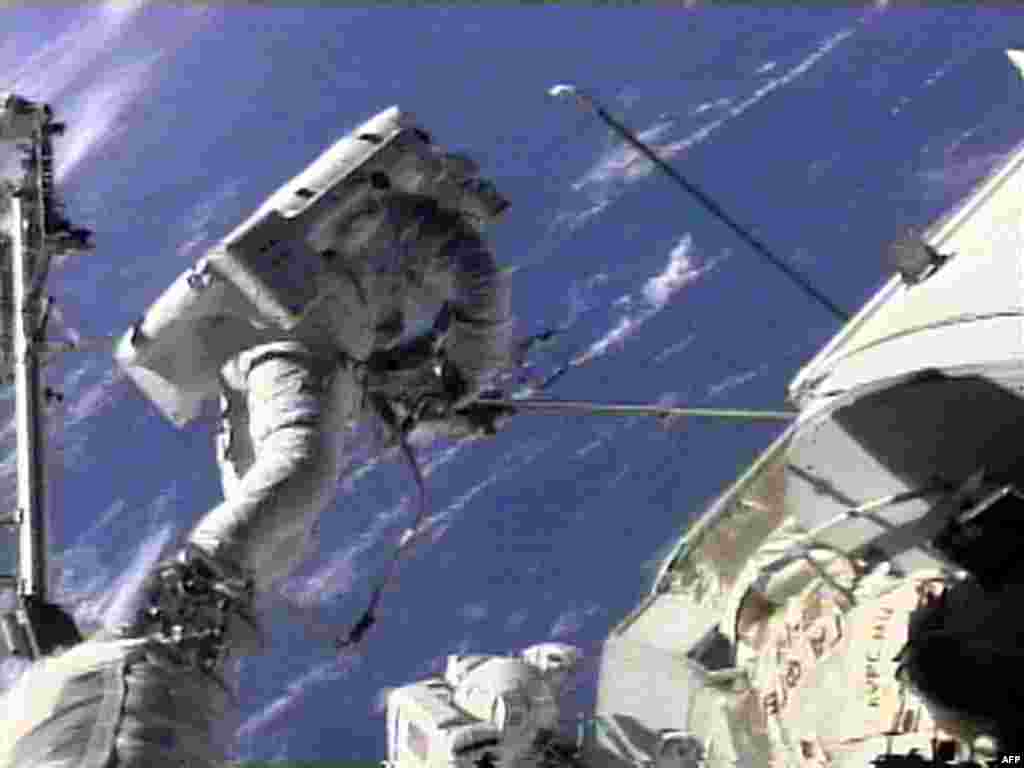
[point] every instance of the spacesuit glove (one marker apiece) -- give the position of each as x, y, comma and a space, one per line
459, 389
412, 354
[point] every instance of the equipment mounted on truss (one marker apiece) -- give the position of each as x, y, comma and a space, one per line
33, 230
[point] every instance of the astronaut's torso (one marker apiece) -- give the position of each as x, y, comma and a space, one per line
384, 280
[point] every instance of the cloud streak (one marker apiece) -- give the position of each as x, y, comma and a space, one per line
95, 398
622, 165
682, 269
82, 73
95, 113
57, 66
572, 620
124, 594
277, 712
339, 574
101, 585
959, 174
197, 220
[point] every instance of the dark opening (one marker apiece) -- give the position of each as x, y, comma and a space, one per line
914, 259
987, 539
474, 745
713, 651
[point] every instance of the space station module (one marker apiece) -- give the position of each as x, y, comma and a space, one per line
484, 710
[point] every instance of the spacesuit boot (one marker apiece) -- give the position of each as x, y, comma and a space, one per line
203, 604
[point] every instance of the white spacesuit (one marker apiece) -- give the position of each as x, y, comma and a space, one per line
286, 405
283, 319
292, 306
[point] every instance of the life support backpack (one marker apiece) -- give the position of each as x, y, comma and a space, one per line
265, 273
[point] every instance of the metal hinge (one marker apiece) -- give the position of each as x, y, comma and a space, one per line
12, 519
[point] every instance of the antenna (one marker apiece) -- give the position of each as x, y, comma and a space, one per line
37, 232
587, 101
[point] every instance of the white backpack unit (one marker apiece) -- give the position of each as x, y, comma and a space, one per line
266, 274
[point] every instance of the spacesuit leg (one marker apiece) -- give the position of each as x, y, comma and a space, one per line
148, 699
297, 408
233, 445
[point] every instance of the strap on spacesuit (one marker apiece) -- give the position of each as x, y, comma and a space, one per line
445, 392
199, 609
369, 617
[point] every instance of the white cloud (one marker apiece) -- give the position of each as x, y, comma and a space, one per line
616, 337
125, 592
956, 175
581, 296
58, 65
572, 620
339, 574
435, 526
675, 349
732, 382
573, 220
622, 165
474, 611
54, 74
95, 398
79, 74
682, 270
515, 620
99, 576
772, 85
197, 220
277, 711
621, 161
707, 106
619, 476
94, 113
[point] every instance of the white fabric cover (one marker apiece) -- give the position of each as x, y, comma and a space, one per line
821, 686
114, 704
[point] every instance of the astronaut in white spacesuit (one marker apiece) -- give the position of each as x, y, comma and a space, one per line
286, 404
384, 259
384, 251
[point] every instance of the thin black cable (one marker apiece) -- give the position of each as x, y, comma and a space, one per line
369, 617
713, 207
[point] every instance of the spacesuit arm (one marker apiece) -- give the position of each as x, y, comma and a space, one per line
479, 335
